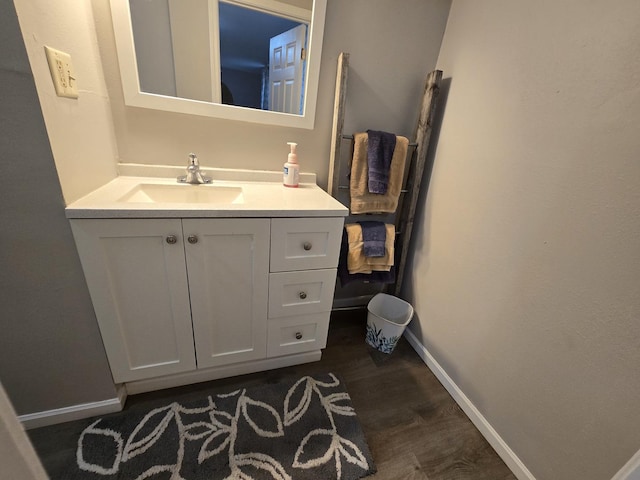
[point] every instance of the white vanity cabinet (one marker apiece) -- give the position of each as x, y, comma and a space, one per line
160, 285
177, 297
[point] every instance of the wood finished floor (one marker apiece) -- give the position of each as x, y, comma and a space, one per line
412, 425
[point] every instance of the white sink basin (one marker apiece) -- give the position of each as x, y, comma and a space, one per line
161, 193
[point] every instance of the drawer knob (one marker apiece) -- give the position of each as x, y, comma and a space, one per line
192, 239
302, 295
171, 239
307, 246
298, 335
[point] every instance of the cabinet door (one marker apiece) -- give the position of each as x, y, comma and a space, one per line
228, 263
138, 284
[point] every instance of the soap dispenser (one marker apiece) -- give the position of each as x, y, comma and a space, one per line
291, 168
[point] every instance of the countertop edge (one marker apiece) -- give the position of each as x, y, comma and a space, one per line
87, 213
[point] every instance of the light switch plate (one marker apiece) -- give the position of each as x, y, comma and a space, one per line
62, 73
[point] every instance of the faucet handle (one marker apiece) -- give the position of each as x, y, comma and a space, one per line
193, 160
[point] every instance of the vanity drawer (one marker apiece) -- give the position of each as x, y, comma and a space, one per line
297, 334
305, 243
301, 293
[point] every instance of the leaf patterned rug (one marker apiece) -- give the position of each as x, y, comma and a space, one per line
301, 429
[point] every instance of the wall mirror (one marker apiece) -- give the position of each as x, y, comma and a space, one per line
248, 60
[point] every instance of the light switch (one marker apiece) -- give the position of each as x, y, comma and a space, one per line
62, 73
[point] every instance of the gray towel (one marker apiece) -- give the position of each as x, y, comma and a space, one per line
379, 155
374, 236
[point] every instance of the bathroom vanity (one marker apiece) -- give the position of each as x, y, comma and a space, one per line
191, 283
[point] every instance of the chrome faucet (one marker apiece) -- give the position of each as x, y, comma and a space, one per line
194, 176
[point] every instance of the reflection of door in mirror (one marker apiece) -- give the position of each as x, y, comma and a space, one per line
245, 35
286, 61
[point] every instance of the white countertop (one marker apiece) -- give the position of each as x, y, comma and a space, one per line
262, 196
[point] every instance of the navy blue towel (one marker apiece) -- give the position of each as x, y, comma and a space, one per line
373, 277
374, 236
379, 154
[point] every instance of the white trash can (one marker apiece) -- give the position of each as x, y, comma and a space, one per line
387, 318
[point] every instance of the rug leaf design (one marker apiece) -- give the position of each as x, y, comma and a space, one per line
336, 444
198, 430
221, 419
248, 434
135, 446
333, 383
352, 453
267, 411
101, 432
334, 404
220, 440
320, 440
262, 462
292, 415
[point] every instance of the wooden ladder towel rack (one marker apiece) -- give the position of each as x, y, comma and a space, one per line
417, 156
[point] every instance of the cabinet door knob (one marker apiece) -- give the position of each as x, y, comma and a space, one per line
302, 295
307, 246
298, 335
192, 239
171, 239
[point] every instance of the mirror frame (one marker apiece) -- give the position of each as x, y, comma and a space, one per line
123, 32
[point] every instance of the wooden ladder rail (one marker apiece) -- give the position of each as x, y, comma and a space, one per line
338, 123
416, 172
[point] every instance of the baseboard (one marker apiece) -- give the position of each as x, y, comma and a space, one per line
488, 432
75, 412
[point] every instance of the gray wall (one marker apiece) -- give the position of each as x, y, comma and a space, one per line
526, 268
51, 354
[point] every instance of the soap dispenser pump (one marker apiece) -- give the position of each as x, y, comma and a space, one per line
291, 168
